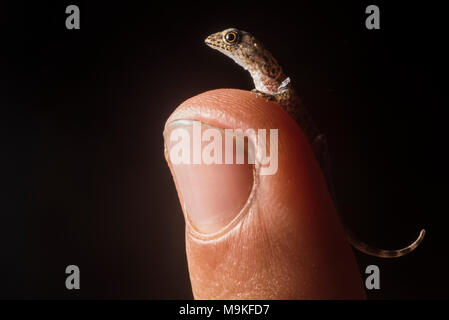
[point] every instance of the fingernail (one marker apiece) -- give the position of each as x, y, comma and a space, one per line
212, 187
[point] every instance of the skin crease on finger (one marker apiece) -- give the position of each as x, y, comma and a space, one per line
289, 244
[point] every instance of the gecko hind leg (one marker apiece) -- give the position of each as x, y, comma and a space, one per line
320, 147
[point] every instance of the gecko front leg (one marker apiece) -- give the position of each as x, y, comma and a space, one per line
268, 97
281, 97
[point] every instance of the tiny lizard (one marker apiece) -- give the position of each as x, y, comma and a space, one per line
271, 83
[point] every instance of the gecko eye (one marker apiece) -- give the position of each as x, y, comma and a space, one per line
231, 37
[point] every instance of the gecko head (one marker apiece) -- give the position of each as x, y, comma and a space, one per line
239, 45
228, 39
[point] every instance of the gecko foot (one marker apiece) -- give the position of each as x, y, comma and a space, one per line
261, 94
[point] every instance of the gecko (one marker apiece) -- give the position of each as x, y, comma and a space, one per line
271, 83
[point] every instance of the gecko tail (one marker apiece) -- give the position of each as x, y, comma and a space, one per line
372, 251
320, 147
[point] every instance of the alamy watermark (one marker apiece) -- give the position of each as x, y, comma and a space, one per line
73, 279
193, 145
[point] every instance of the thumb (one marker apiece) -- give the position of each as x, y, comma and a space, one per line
266, 230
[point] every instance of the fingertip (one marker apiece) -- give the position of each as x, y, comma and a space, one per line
288, 242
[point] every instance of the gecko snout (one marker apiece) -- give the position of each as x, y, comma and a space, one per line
214, 40
209, 41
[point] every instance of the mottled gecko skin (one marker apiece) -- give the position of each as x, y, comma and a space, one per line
271, 83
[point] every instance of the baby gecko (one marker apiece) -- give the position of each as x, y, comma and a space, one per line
271, 83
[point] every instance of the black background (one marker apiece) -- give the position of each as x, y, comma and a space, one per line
83, 176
